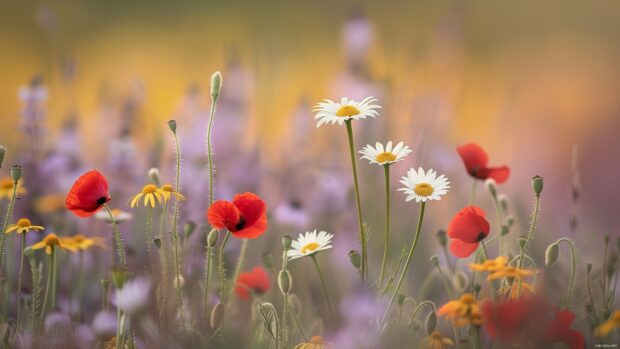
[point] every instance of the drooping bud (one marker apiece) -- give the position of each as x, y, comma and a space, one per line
267, 260
172, 124
552, 254
212, 238
430, 323
189, 228
216, 85
284, 281
16, 172
119, 276
522, 242
2, 152
435, 260
491, 187
442, 238
287, 241
537, 184
154, 176
355, 258
216, 315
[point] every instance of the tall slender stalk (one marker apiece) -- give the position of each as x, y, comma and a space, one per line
48, 283
324, 287
573, 272
240, 262
529, 238
19, 280
360, 220
472, 199
7, 217
210, 151
386, 241
149, 234
222, 271
118, 240
414, 243
208, 267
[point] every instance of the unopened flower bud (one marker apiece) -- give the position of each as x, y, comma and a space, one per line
154, 176
189, 228
355, 258
537, 185
216, 85
430, 323
157, 242
400, 299
522, 242
16, 172
284, 281
491, 187
505, 230
29, 252
212, 238
119, 276
442, 238
477, 288
510, 220
172, 124
503, 201
216, 315
552, 254
287, 241
2, 152
589, 267
267, 260
435, 260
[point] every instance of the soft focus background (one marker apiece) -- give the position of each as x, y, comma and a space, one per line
90, 84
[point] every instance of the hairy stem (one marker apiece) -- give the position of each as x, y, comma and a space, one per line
324, 287
386, 241
571, 283
118, 240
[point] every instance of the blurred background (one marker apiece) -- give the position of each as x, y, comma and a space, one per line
90, 84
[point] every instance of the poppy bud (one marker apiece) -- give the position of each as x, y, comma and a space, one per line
29, 252
2, 152
16, 173
267, 260
491, 187
286, 242
537, 185
400, 299
284, 281
435, 260
442, 238
212, 238
216, 315
430, 323
172, 124
216, 85
510, 220
552, 254
157, 242
505, 230
522, 241
355, 258
503, 201
477, 288
189, 228
589, 267
154, 176
119, 276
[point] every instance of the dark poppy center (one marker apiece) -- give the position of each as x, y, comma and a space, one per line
240, 224
475, 170
102, 200
480, 237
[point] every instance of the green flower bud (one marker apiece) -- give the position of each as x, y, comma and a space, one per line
212, 238
477, 288
522, 241
119, 276
154, 176
503, 201
505, 230
442, 237
2, 152
491, 187
589, 267
172, 124
189, 228
552, 254
510, 220
216, 85
157, 242
430, 323
16, 172
400, 299
537, 185
284, 281
355, 258
267, 260
435, 260
287, 241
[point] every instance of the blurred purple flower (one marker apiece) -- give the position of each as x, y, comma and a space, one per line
134, 296
104, 325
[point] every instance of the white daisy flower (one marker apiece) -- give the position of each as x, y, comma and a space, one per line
309, 244
422, 186
385, 155
334, 112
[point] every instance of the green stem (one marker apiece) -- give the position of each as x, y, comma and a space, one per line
529, 237
210, 151
414, 243
605, 287
54, 279
209, 262
7, 217
573, 272
298, 325
284, 302
472, 199
222, 272
240, 262
149, 234
364, 264
119, 328
48, 283
386, 241
323, 286
175, 234
500, 222
19, 280
118, 240
589, 288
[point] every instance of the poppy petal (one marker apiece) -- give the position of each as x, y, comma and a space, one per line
498, 174
462, 249
223, 214
474, 157
469, 225
252, 210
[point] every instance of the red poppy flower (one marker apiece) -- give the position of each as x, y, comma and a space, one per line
476, 160
512, 320
466, 229
245, 217
560, 331
88, 194
255, 281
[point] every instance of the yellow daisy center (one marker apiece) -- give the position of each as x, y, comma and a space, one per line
436, 335
52, 240
347, 111
24, 223
385, 157
6, 184
309, 247
79, 238
316, 340
149, 189
167, 187
468, 299
423, 189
